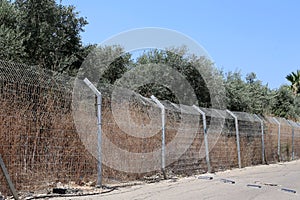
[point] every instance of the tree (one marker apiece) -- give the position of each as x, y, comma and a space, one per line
285, 104
160, 59
251, 78
236, 92
294, 78
54, 34
197, 71
105, 65
250, 96
12, 38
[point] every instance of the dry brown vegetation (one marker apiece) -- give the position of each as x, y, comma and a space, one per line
41, 146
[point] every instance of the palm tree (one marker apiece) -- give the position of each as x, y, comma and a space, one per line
294, 78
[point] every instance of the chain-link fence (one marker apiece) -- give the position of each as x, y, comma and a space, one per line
285, 141
39, 143
48, 128
296, 143
271, 139
221, 139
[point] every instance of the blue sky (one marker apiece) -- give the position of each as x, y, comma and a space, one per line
251, 36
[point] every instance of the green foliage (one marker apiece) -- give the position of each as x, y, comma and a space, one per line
105, 65
42, 33
235, 92
253, 97
11, 41
289, 97
9, 15
294, 78
285, 104
54, 30
12, 38
198, 72
161, 59
247, 96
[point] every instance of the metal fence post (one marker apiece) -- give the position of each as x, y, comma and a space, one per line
262, 138
293, 139
8, 180
163, 136
205, 137
237, 137
278, 147
99, 134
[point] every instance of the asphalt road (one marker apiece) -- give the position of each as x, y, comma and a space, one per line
267, 183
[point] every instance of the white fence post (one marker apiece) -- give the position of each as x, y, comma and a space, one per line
278, 143
237, 137
262, 138
99, 135
163, 136
205, 137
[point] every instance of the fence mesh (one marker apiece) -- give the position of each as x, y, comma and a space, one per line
271, 140
296, 140
48, 128
221, 139
285, 139
39, 143
250, 138
184, 139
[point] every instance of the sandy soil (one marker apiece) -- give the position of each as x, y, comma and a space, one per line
271, 178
